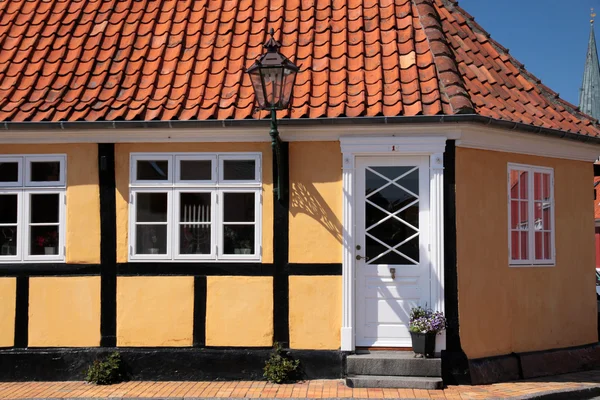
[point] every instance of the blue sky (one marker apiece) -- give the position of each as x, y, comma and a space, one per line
549, 36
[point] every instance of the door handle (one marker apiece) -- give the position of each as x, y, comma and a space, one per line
359, 257
393, 272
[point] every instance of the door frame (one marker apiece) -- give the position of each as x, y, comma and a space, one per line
352, 147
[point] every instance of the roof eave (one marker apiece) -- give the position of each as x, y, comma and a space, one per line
204, 124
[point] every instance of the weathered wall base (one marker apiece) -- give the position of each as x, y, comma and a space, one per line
172, 364
516, 366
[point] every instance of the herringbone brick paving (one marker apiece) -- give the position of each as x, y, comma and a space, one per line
309, 389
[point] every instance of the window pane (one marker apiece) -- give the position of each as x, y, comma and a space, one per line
537, 186
151, 207
8, 241
148, 170
238, 207
45, 171
9, 171
524, 245
194, 239
43, 240
547, 216
523, 215
518, 184
546, 187
514, 245
44, 208
514, 214
194, 207
8, 209
238, 239
195, 170
539, 246
547, 245
239, 170
151, 239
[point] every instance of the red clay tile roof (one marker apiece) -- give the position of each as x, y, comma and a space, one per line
76, 60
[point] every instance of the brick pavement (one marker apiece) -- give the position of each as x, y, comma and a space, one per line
309, 389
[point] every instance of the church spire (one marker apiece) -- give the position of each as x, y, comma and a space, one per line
589, 97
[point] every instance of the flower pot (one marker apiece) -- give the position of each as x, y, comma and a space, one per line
423, 344
49, 251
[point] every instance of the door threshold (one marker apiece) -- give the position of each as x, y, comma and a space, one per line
369, 349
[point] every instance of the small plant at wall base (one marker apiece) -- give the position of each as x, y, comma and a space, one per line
425, 324
280, 367
107, 371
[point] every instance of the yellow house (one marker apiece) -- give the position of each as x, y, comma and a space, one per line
421, 164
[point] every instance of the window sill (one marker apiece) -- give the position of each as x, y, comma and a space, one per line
34, 261
196, 261
532, 265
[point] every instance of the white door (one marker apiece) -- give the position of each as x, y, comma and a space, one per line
392, 240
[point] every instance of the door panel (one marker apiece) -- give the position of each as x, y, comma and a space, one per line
393, 268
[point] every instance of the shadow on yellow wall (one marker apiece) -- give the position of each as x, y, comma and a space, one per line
306, 199
315, 202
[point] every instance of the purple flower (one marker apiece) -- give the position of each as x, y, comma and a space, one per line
424, 320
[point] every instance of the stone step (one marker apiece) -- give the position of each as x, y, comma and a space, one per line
397, 382
393, 364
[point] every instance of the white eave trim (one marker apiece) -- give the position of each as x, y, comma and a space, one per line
318, 132
468, 135
488, 138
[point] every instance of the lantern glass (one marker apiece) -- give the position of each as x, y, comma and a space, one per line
272, 78
289, 77
257, 83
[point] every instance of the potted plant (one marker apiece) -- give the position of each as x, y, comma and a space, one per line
425, 324
243, 247
49, 241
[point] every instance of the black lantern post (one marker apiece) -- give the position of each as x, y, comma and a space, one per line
273, 77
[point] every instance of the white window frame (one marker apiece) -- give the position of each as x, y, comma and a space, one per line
176, 223
238, 183
19, 224
133, 223
196, 183
531, 261
19, 182
24, 188
151, 157
217, 186
257, 223
44, 158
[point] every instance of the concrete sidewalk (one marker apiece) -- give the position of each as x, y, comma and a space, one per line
582, 385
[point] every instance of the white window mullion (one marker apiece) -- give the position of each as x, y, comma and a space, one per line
219, 222
531, 219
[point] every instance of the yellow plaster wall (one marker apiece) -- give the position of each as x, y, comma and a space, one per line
504, 309
64, 312
83, 197
123, 151
239, 311
155, 311
315, 202
315, 312
8, 300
